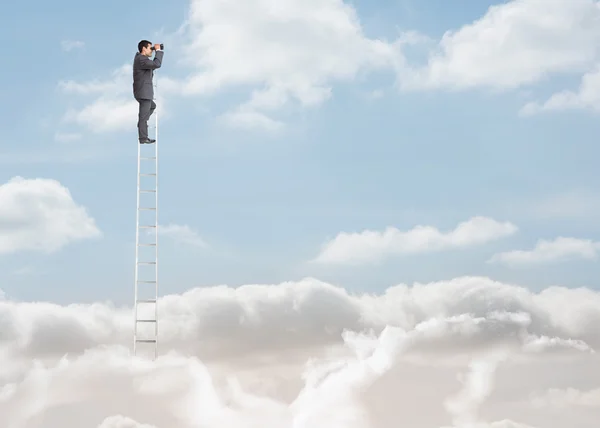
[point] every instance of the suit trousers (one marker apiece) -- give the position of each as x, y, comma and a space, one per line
146, 109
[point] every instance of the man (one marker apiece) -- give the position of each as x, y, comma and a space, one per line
143, 89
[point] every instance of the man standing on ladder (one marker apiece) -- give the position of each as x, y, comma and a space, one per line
143, 88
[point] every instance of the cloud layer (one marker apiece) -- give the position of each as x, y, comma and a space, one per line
307, 353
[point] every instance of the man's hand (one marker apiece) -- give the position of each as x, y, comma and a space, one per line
157, 46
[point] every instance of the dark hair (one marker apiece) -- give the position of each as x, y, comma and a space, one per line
142, 44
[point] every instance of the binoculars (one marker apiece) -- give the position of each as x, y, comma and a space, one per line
162, 47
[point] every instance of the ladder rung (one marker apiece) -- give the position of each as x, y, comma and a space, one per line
148, 158
146, 245
147, 191
147, 282
146, 227
147, 209
146, 263
146, 300
149, 174
146, 320
146, 340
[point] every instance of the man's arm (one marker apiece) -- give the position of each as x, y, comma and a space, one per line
151, 64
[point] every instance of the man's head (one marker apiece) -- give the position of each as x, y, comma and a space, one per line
145, 48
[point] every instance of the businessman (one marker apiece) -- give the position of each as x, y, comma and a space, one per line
143, 89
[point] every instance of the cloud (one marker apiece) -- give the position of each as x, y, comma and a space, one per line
245, 118
449, 315
114, 85
113, 107
281, 53
105, 114
545, 251
374, 246
119, 421
586, 97
182, 234
515, 43
109, 104
302, 354
41, 215
478, 385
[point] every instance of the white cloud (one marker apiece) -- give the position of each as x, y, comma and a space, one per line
114, 85
294, 47
183, 234
119, 421
280, 51
106, 114
112, 106
515, 43
306, 353
249, 119
586, 97
478, 385
373, 246
546, 251
40, 214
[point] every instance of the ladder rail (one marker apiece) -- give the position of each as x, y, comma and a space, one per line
137, 254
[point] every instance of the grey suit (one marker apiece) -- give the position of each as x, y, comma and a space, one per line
143, 89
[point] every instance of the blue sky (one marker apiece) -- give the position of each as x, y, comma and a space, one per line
390, 146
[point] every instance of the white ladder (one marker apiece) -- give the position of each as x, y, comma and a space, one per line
146, 245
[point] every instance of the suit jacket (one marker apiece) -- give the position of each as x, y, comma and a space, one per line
143, 71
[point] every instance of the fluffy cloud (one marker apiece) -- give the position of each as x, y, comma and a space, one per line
40, 214
305, 354
282, 52
108, 104
105, 115
293, 52
296, 51
515, 43
373, 246
586, 97
550, 251
289, 50
113, 107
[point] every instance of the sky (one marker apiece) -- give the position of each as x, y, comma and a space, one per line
406, 186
